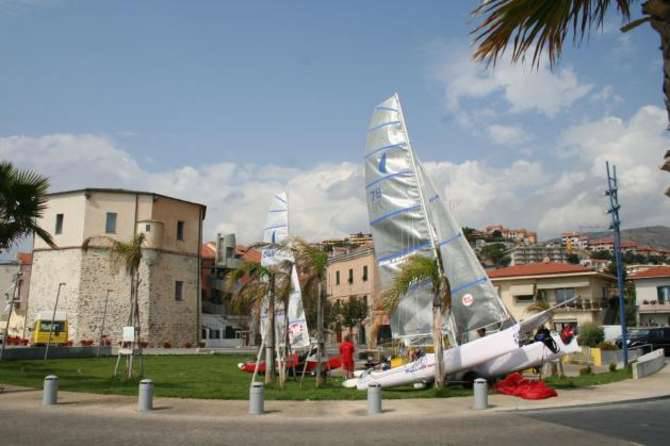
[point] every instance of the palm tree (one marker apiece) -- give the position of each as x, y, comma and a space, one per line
127, 256
540, 25
312, 263
250, 284
22, 201
417, 269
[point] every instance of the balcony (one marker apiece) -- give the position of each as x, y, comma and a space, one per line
653, 306
581, 305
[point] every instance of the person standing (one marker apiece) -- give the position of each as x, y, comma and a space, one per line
347, 354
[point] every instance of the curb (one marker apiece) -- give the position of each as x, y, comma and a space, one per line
585, 405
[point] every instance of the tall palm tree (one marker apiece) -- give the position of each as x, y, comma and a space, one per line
126, 256
22, 201
312, 262
418, 269
249, 285
539, 25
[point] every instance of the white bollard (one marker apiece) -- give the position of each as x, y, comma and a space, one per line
50, 392
374, 399
481, 388
145, 399
256, 399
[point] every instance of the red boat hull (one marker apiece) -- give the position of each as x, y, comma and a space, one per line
334, 362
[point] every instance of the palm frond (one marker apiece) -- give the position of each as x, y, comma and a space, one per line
542, 24
126, 255
311, 260
417, 269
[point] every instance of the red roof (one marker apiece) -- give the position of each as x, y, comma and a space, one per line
658, 271
248, 254
538, 269
208, 250
25, 258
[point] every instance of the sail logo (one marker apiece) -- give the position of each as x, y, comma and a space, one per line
382, 164
467, 300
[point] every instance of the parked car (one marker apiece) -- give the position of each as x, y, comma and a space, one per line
648, 339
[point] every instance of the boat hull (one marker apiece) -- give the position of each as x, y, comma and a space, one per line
455, 359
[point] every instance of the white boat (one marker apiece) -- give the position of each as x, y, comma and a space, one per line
408, 217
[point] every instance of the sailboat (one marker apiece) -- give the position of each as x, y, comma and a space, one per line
408, 217
291, 322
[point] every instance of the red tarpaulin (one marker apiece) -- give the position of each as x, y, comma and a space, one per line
516, 385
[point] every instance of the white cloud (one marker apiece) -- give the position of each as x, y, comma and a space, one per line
506, 134
328, 200
523, 87
606, 94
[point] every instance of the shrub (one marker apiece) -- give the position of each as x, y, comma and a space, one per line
144, 344
201, 344
188, 345
586, 371
167, 345
612, 367
607, 346
590, 335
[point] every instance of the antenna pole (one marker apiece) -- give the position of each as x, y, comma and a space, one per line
612, 193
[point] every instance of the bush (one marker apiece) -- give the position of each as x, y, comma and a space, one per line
607, 346
612, 367
188, 345
590, 335
586, 371
167, 345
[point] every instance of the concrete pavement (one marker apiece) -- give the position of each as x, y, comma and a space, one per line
656, 386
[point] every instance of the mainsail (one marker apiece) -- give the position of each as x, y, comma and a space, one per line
408, 217
276, 232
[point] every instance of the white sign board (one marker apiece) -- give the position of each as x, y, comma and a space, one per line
128, 334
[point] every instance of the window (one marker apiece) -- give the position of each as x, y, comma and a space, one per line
214, 334
59, 224
229, 252
337, 277
525, 299
663, 293
147, 228
110, 223
180, 230
563, 294
365, 273
203, 333
351, 275
179, 290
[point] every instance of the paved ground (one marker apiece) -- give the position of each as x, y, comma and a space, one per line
641, 423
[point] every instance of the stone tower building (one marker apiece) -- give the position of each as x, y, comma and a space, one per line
169, 287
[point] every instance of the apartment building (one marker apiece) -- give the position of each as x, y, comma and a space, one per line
652, 294
573, 241
354, 274
521, 255
169, 289
521, 286
521, 235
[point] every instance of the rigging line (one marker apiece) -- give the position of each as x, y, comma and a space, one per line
468, 285
450, 239
280, 199
396, 212
381, 107
385, 124
407, 172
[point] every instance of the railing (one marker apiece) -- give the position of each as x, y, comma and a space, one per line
654, 306
584, 305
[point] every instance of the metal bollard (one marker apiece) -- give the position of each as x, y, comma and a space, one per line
50, 393
256, 399
374, 399
145, 399
481, 387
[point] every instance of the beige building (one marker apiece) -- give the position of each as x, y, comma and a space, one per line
652, 293
523, 254
169, 294
354, 274
522, 285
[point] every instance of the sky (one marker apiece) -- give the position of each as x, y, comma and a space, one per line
225, 103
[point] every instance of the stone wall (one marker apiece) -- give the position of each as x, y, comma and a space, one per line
171, 320
50, 267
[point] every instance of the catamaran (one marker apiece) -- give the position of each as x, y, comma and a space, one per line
408, 217
290, 323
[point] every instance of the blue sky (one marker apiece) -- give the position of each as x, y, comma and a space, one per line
182, 93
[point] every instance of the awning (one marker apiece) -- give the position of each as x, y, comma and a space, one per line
555, 285
523, 290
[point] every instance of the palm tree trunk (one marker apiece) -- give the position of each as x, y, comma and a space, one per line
437, 342
319, 337
659, 10
270, 346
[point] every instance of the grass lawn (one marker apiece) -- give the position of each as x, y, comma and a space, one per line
217, 377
